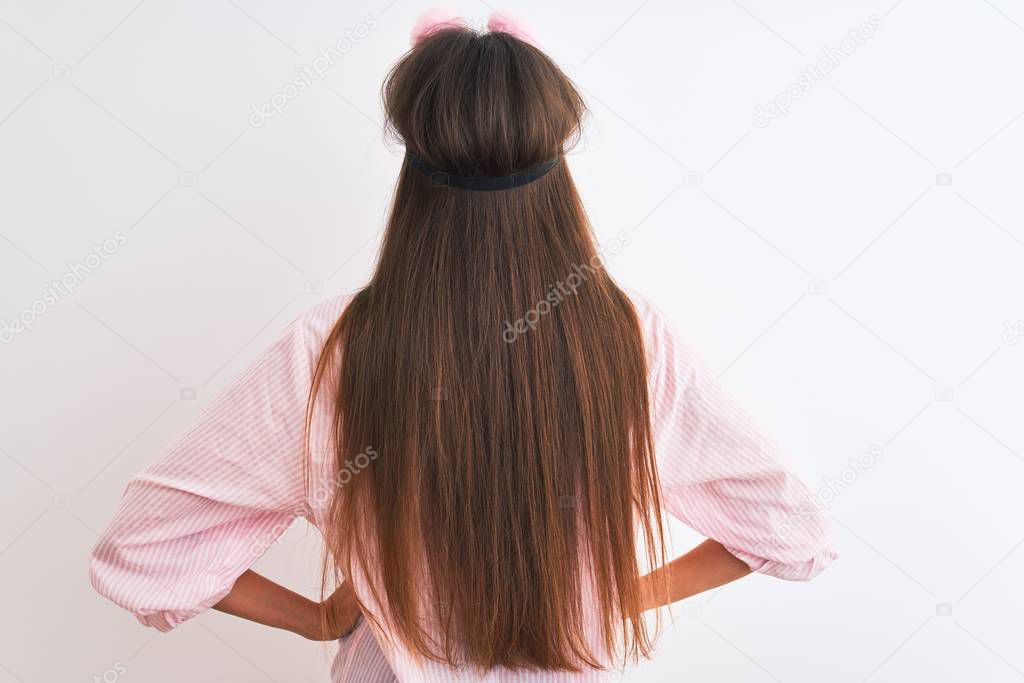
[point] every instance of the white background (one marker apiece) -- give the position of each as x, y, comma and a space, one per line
846, 297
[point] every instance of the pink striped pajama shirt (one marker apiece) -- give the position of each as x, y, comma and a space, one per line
202, 514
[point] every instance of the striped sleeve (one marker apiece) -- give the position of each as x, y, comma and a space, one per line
719, 474
191, 523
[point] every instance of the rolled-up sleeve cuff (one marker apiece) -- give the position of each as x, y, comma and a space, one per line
176, 608
790, 571
167, 620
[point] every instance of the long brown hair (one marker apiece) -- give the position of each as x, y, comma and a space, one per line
501, 381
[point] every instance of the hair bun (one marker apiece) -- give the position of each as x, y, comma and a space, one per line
435, 19
502, 22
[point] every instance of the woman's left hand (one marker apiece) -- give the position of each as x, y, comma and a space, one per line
259, 599
338, 615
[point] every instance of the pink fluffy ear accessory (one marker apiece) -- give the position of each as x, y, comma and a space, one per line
502, 22
435, 19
